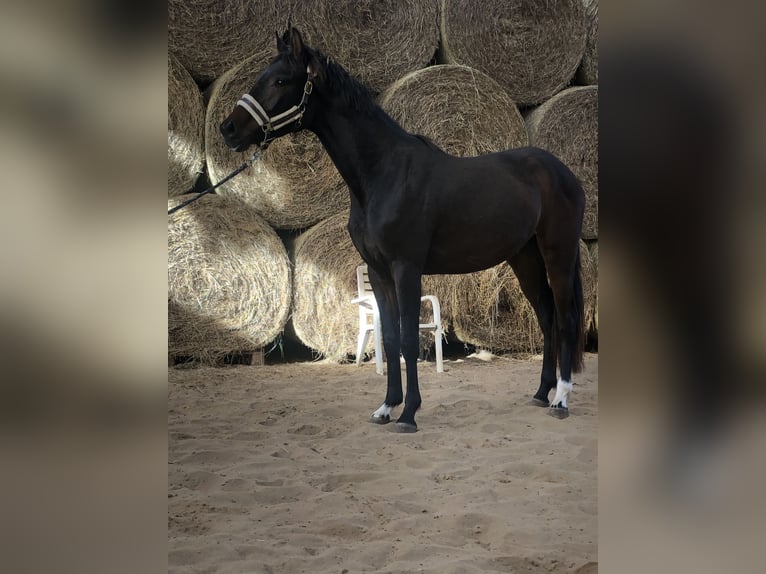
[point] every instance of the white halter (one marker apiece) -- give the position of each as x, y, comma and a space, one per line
274, 123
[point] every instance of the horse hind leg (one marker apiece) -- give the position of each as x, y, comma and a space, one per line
529, 267
564, 271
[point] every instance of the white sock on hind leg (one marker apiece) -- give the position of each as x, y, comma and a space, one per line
563, 388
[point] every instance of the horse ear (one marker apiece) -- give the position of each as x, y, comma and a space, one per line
281, 45
296, 43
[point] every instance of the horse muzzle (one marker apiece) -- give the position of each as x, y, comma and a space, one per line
231, 137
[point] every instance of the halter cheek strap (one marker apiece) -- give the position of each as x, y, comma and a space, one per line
273, 123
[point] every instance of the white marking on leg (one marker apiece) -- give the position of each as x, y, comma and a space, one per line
383, 412
563, 388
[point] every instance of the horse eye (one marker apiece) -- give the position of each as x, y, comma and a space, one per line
280, 82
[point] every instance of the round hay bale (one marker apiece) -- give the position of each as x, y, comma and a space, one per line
294, 184
463, 111
229, 280
567, 126
489, 309
211, 36
587, 74
531, 48
324, 283
377, 41
186, 118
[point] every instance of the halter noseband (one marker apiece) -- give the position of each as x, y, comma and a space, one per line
270, 124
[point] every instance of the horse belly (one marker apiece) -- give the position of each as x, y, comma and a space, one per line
485, 215
468, 252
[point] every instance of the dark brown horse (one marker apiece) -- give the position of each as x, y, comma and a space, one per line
417, 210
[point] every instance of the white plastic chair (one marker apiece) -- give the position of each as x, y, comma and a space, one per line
369, 322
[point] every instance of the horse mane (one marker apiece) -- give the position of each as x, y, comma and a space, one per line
353, 93
429, 142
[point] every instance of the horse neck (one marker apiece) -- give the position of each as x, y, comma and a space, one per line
356, 142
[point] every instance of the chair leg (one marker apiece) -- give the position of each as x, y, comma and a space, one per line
361, 344
378, 339
439, 358
438, 330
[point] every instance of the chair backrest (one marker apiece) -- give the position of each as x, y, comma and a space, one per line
363, 286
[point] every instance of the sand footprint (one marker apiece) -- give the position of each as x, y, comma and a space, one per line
305, 430
337, 481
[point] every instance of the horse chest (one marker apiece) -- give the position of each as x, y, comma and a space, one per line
365, 243
374, 240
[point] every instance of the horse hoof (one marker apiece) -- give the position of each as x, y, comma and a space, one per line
380, 420
406, 427
539, 402
558, 412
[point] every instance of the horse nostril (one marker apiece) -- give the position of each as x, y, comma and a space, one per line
227, 128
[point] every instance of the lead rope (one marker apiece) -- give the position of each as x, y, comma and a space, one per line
247, 163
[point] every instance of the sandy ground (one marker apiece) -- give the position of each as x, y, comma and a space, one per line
275, 469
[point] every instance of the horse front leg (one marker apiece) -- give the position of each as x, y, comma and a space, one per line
408, 291
385, 296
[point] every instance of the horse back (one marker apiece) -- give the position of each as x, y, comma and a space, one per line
457, 215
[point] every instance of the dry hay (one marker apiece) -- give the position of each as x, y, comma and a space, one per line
212, 36
567, 126
531, 48
229, 284
294, 184
324, 283
463, 111
377, 41
587, 74
591, 314
490, 311
186, 118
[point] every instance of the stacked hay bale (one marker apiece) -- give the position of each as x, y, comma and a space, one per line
377, 41
502, 57
212, 36
490, 311
324, 283
531, 48
588, 72
567, 126
462, 110
186, 117
294, 184
229, 280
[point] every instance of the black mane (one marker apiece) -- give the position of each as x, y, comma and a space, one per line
354, 93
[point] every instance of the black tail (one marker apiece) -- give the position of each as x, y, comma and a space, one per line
578, 314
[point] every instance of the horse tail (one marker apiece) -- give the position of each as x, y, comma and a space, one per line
578, 315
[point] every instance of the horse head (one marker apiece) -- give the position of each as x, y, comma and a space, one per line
279, 102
